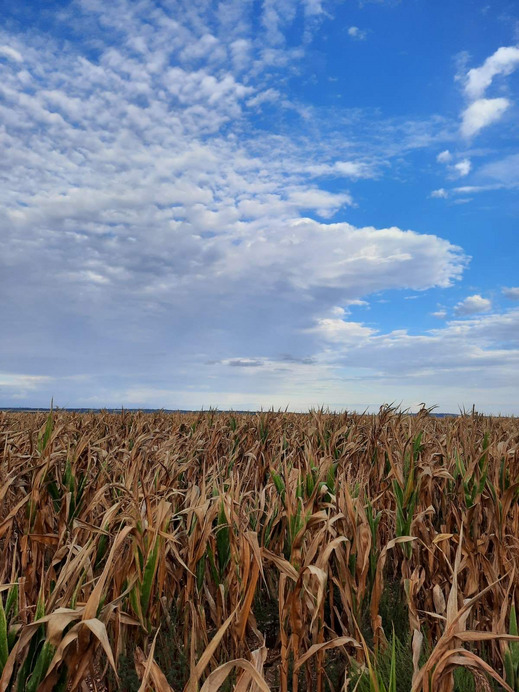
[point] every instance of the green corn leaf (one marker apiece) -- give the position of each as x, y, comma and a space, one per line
102, 547
410, 484
70, 481
513, 621
12, 636
29, 662
280, 485
310, 484
514, 646
200, 572
509, 669
399, 495
41, 666
483, 467
62, 684
212, 566
460, 468
223, 540
44, 439
40, 606
54, 492
392, 671
268, 529
135, 602
75, 594
4, 643
330, 478
149, 575
11, 604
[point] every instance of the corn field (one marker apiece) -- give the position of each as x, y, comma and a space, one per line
273, 551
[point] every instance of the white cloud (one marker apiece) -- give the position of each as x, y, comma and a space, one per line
466, 361
356, 33
313, 7
473, 305
511, 293
503, 62
22, 381
207, 47
459, 169
353, 169
267, 96
463, 167
10, 53
441, 193
482, 113
346, 169
440, 314
444, 156
336, 330
277, 15
324, 202
469, 189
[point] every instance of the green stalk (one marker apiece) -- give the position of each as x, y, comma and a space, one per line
4, 645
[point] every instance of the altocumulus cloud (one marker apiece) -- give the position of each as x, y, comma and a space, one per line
160, 249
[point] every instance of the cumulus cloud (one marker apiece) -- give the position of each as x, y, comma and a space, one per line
441, 193
456, 170
481, 113
473, 305
463, 167
444, 156
338, 329
503, 62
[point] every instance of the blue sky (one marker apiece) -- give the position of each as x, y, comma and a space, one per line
247, 204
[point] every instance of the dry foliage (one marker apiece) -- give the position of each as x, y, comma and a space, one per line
109, 523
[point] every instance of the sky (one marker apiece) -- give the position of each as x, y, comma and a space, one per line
259, 203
